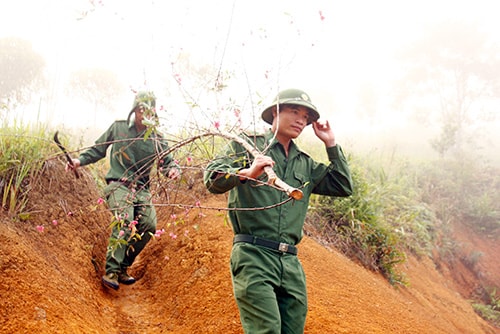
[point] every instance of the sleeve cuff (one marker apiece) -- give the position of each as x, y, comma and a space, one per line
83, 161
334, 152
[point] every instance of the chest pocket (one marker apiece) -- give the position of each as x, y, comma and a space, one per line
136, 155
299, 180
144, 148
146, 151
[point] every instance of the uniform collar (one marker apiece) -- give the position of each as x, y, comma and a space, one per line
132, 127
131, 121
271, 141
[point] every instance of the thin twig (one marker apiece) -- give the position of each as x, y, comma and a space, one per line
191, 206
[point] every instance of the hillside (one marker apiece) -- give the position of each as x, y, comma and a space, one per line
50, 279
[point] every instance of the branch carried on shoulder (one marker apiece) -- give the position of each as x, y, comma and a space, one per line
273, 179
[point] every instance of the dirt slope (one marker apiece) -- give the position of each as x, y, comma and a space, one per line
49, 283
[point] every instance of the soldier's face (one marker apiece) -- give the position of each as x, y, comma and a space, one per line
292, 119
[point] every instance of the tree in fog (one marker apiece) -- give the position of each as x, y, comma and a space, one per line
21, 71
451, 78
100, 87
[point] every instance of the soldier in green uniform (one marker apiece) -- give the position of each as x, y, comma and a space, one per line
132, 156
268, 279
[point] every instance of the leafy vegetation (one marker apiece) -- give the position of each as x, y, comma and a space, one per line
403, 207
24, 152
379, 222
398, 207
490, 311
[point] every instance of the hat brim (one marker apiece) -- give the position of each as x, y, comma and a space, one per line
145, 105
267, 114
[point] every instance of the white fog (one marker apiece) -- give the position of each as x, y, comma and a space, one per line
343, 53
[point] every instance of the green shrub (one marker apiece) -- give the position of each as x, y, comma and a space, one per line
488, 313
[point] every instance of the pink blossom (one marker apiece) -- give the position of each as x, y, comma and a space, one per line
100, 200
121, 234
321, 16
178, 78
70, 214
134, 222
40, 228
173, 235
197, 203
189, 159
158, 233
217, 125
54, 222
173, 216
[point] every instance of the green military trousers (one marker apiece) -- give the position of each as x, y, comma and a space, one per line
128, 205
270, 290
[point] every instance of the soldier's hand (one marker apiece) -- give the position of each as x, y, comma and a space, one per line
256, 168
324, 132
69, 167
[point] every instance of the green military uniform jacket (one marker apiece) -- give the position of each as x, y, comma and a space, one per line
282, 223
131, 156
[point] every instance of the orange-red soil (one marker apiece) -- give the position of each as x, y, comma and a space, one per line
50, 280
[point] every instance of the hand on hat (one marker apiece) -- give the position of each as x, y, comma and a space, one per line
324, 132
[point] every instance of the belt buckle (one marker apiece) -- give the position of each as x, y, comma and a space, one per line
283, 247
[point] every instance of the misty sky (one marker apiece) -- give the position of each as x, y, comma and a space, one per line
328, 48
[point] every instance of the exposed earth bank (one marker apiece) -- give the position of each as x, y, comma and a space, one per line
50, 279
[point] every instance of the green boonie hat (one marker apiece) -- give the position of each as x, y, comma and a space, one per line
295, 97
